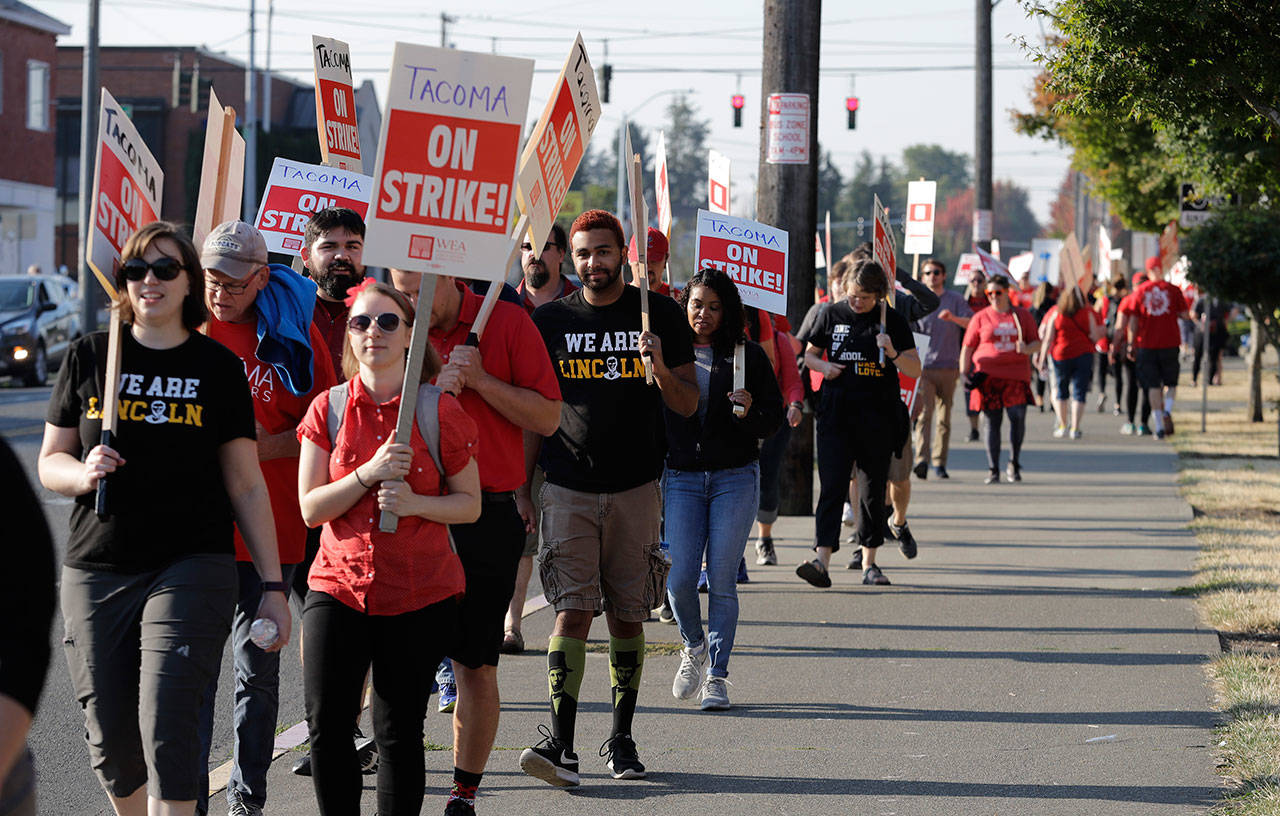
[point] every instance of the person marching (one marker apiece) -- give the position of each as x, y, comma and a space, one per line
381, 600
1134, 394
861, 417
996, 359
149, 588
945, 328
1153, 341
711, 487
656, 249
601, 505
1072, 329
785, 349
246, 297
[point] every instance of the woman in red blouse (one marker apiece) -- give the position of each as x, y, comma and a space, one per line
1071, 329
386, 600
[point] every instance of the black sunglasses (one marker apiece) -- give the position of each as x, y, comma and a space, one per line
387, 322
165, 269
933, 271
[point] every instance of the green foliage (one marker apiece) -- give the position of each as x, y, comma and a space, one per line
1236, 257
686, 140
936, 163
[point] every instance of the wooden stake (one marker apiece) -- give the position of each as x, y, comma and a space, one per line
110, 400
640, 231
884, 309
739, 375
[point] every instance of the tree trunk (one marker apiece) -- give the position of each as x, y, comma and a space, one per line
1257, 344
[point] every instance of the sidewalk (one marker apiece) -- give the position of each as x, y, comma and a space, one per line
1030, 660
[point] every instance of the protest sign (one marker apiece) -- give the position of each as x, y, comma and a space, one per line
221, 172
336, 104
992, 266
754, 255
447, 162
662, 190
909, 387
884, 249
296, 191
640, 237
719, 168
1102, 268
968, 262
558, 142
1020, 265
1044, 261
1070, 262
787, 132
918, 233
819, 259
1169, 246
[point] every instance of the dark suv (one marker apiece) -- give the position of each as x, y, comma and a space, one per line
39, 317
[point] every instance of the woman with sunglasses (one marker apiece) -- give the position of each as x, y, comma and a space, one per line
996, 360
148, 590
380, 600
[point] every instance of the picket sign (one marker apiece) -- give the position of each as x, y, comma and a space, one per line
640, 234
297, 191
909, 387
1102, 269
1169, 246
968, 262
918, 233
1071, 271
128, 186
828, 242
719, 171
1045, 263
662, 190
336, 105
752, 254
885, 255
819, 259
221, 172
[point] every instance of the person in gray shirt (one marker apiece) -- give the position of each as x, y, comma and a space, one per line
945, 328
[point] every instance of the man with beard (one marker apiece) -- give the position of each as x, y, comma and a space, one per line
333, 253
601, 504
543, 282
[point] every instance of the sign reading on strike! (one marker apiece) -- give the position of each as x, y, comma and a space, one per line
447, 162
968, 262
885, 251
719, 169
661, 189
296, 191
788, 129
909, 387
754, 255
127, 187
921, 197
336, 104
558, 142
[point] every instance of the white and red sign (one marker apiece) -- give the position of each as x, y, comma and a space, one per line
661, 187
336, 104
819, 257
921, 198
968, 262
719, 170
788, 129
754, 255
884, 250
128, 185
909, 387
992, 266
558, 142
447, 158
1102, 269
296, 191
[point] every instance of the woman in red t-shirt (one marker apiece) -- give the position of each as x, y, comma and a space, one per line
1068, 340
386, 600
995, 361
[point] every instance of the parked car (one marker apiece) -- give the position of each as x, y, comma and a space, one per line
39, 317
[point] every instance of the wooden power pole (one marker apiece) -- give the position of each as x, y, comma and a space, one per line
983, 190
787, 194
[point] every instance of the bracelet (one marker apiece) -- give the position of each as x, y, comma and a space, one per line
274, 586
356, 471
891, 359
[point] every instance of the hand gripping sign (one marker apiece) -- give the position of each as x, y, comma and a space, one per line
296, 191
336, 104
127, 189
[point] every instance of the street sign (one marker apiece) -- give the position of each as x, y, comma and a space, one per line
788, 125
921, 198
1194, 210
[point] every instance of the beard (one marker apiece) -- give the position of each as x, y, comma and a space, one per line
610, 278
336, 278
536, 275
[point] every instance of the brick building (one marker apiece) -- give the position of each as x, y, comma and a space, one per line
28, 47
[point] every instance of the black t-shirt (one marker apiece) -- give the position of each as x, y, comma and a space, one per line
611, 436
177, 407
849, 338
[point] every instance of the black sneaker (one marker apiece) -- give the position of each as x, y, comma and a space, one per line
457, 807
855, 563
921, 470
814, 573
366, 753
906, 541
993, 477
941, 472
665, 613
621, 758
873, 575
302, 765
973, 434
551, 762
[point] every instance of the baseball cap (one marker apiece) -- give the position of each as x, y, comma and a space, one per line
1153, 262
235, 249
656, 246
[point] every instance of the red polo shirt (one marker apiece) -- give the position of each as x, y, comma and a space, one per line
512, 350
277, 410
364, 568
566, 288
331, 319
1156, 306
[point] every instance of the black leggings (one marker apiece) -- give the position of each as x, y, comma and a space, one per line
1217, 342
1017, 430
341, 644
1133, 392
846, 438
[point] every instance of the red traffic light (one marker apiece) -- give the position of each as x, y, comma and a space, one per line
737, 101
851, 103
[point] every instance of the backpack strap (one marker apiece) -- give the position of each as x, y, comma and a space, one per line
427, 414
337, 408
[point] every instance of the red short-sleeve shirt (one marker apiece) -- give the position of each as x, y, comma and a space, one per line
512, 350
364, 568
1071, 334
1156, 306
992, 335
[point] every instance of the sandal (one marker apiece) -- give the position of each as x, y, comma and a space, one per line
512, 642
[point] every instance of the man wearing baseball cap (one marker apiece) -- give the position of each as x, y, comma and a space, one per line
656, 261
1153, 341
262, 312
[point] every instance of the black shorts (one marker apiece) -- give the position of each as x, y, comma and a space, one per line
1157, 367
489, 549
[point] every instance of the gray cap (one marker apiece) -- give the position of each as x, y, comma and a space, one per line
235, 249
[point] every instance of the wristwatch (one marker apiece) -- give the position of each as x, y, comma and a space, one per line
274, 586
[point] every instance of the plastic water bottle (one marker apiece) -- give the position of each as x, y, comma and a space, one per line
264, 633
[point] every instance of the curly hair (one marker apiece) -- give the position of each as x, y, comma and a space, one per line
194, 311
598, 219
431, 362
733, 320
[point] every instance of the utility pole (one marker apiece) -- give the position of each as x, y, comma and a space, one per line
250, 197
89, 95
266, 79
787, 195
445, 19
983, 190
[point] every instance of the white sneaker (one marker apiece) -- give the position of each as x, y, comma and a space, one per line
1059, 432
849, 518
715, 695
689, 675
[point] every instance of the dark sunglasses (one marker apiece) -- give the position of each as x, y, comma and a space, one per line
165, 269
932, 271
387, 322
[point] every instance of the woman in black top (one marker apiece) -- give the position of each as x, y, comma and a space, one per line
711, 487
861, 417
148, 590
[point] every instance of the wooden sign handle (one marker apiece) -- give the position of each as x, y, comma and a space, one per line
739, 376
110, 400
495, 289
884, 308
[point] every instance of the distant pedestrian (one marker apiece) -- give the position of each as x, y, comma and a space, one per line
1154, 339
1072, 329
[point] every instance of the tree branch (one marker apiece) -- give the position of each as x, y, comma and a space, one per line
1259, 106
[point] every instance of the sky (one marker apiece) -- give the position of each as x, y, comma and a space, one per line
910, 63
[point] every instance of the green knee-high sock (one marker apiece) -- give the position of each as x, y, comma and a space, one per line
566, 658
626, 660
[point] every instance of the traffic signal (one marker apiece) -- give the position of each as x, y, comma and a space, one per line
851, 103
737, 101
607, 73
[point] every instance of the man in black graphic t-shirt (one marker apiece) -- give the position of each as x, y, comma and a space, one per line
601, 505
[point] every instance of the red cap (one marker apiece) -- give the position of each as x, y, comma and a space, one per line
655, 247
1153, 262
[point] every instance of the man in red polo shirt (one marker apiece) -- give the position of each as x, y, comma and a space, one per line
507, 386
656, 259
1154, 339
543, 279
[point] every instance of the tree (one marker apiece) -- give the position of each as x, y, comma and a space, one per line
1013, 222
830, 183
936, 163
686, 140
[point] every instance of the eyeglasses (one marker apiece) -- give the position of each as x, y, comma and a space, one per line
995, 292
387, 322
932, 271
165, 269
230, 288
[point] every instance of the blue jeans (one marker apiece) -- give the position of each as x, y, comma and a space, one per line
257, 700
708, 514
1074, 374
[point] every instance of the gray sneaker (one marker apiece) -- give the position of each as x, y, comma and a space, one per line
715, 695
689, 675
235, 807
765, 555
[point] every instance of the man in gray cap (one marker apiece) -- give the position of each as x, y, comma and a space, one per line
237, 277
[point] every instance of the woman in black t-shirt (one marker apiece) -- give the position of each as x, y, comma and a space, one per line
148, 590
861, 417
